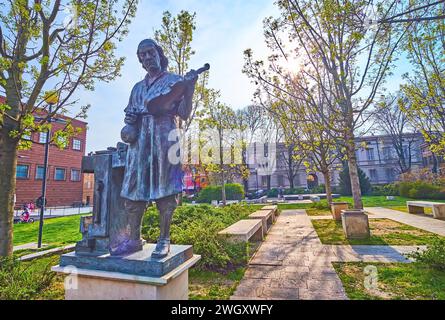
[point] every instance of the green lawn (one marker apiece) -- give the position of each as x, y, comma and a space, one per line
383, 232
398, 281
56, 231
380, 201
208, 285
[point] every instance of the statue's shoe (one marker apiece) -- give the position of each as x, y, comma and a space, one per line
126, 247
162, 249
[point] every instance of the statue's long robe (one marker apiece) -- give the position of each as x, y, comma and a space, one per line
149, 175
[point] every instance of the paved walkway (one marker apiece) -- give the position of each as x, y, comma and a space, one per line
287, 267
419, 221
292, 263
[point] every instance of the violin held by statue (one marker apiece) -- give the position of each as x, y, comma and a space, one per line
130, 132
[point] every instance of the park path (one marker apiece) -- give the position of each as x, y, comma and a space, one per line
419, 221
292, 263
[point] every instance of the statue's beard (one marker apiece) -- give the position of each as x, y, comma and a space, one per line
153, 70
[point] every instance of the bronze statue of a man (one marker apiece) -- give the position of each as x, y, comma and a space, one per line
152, 113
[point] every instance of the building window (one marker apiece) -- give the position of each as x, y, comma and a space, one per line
77, 144
62, 142
406, 152
370, 154
26, 136
390, 174
59, 174
75, 175
280, 180
39, 172
22, 171
42, 137
387, 153
264, 181
373, 174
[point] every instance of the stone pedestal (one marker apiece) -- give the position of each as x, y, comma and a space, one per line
355, 224
131, 277
336, 209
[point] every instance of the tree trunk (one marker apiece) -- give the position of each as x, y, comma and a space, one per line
328, 188
8, 165
353, 171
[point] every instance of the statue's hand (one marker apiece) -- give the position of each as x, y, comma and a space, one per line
191, 76
130, 118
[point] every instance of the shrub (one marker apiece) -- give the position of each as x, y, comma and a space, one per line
321, 205
421, 190
433, 256
345, 182
199, 226
318, 189
234, 191
391, 189
19, 281
273, 193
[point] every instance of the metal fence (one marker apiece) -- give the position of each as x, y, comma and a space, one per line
58, 211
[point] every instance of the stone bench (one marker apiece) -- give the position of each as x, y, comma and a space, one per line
274, 209
418, 207
244, 231
267, 218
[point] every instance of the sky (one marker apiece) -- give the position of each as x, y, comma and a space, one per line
224, 29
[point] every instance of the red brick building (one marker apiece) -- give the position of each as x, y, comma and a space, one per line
64, 177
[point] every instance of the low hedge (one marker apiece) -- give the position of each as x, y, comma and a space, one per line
391, 189
234, 191
421, 190
199, 226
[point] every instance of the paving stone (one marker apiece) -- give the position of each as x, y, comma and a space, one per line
281, 293
262, 272
324, 285
250, 288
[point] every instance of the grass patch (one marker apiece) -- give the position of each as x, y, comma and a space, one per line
383, 232
208, 285
380, 201
317, 212
395, 281
56, 231
30, 280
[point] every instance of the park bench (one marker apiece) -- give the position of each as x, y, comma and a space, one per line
244, 231
274, 208
418, 207
267, 217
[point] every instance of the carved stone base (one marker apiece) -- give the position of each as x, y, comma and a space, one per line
336, 209
86, 284
355, 224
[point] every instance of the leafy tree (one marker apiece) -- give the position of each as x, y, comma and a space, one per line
337, 40
175, 37
425, 87
42, 49
392, 121
217, 120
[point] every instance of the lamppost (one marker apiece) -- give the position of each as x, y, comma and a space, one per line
51, 99
256, 173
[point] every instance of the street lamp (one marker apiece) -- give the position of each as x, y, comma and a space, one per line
256, 173
51, 98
